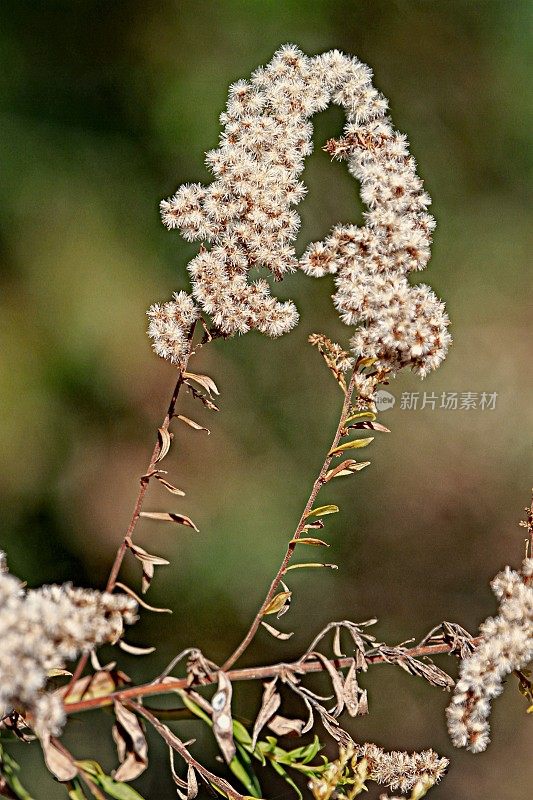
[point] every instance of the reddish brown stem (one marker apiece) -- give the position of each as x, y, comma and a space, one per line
137, 508
317, 485
246, 674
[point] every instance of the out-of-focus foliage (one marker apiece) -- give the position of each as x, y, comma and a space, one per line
105, 109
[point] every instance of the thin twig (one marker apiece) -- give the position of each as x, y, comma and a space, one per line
137, 508
317, 485
176, 744
248, 674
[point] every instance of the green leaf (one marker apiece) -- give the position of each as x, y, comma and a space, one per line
322, 511
352, 445
279, 769
360, 416
240, 734
192, 706
76, 791
8, 770
241, 766
118, 790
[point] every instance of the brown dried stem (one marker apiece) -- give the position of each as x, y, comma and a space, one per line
137, 508
317, 485
250, 674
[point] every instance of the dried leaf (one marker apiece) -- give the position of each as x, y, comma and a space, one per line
164, 443
139, 600
355, 698
192, 783
337, 643
311, 565
222, 717
169, 516
148, 561
204, 381
131, 744
322, 511
282, 726
278, 603
56, 673
269, 705
134, 650
354, 444
98, 685
172, 489
309, 540
316, 525
336, 680
276, 633
373, 426
59, 764
193, 424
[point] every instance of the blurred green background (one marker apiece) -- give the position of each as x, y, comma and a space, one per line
106, 107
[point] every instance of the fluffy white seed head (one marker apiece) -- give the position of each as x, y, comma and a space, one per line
248, 216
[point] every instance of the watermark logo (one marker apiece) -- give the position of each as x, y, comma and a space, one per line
384, 400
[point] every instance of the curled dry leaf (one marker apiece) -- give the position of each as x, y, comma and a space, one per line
193, 424
204, 381
131, 744
58, 762
222, 717
347, 467
373, 426
276, 633
278, 604
164, 443
192, 783
169, 516
355, 698
148, 562
269, 705
147, 606
354, 444
282, 726
100, 684
134, 650
169, 487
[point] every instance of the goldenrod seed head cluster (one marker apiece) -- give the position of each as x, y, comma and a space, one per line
507, 645
41, 630
170, 325
400, 770
247, 214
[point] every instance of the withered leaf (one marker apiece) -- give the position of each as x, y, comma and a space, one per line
148, 561
278, 603
204, 381
139, 600
347, 467
193, 424
322, 511
352, 445
269, 705
282, 726
169, 516
276, 633
355, 698
97, 685
192, 783
134, 650
222, 717
131, 744
373, 426
172, 489
315, 525
337, 643
309, 540
336, 680
59, 764
164, 443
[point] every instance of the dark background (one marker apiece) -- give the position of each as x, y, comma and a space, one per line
106, 107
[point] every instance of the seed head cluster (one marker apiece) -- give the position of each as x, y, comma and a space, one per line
507, 644
400, 770
41, 630
247, 215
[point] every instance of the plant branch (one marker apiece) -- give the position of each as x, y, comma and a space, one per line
144, 482
169, 686
317, 485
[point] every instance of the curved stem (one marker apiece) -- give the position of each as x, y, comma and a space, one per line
317, 485
137, 508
